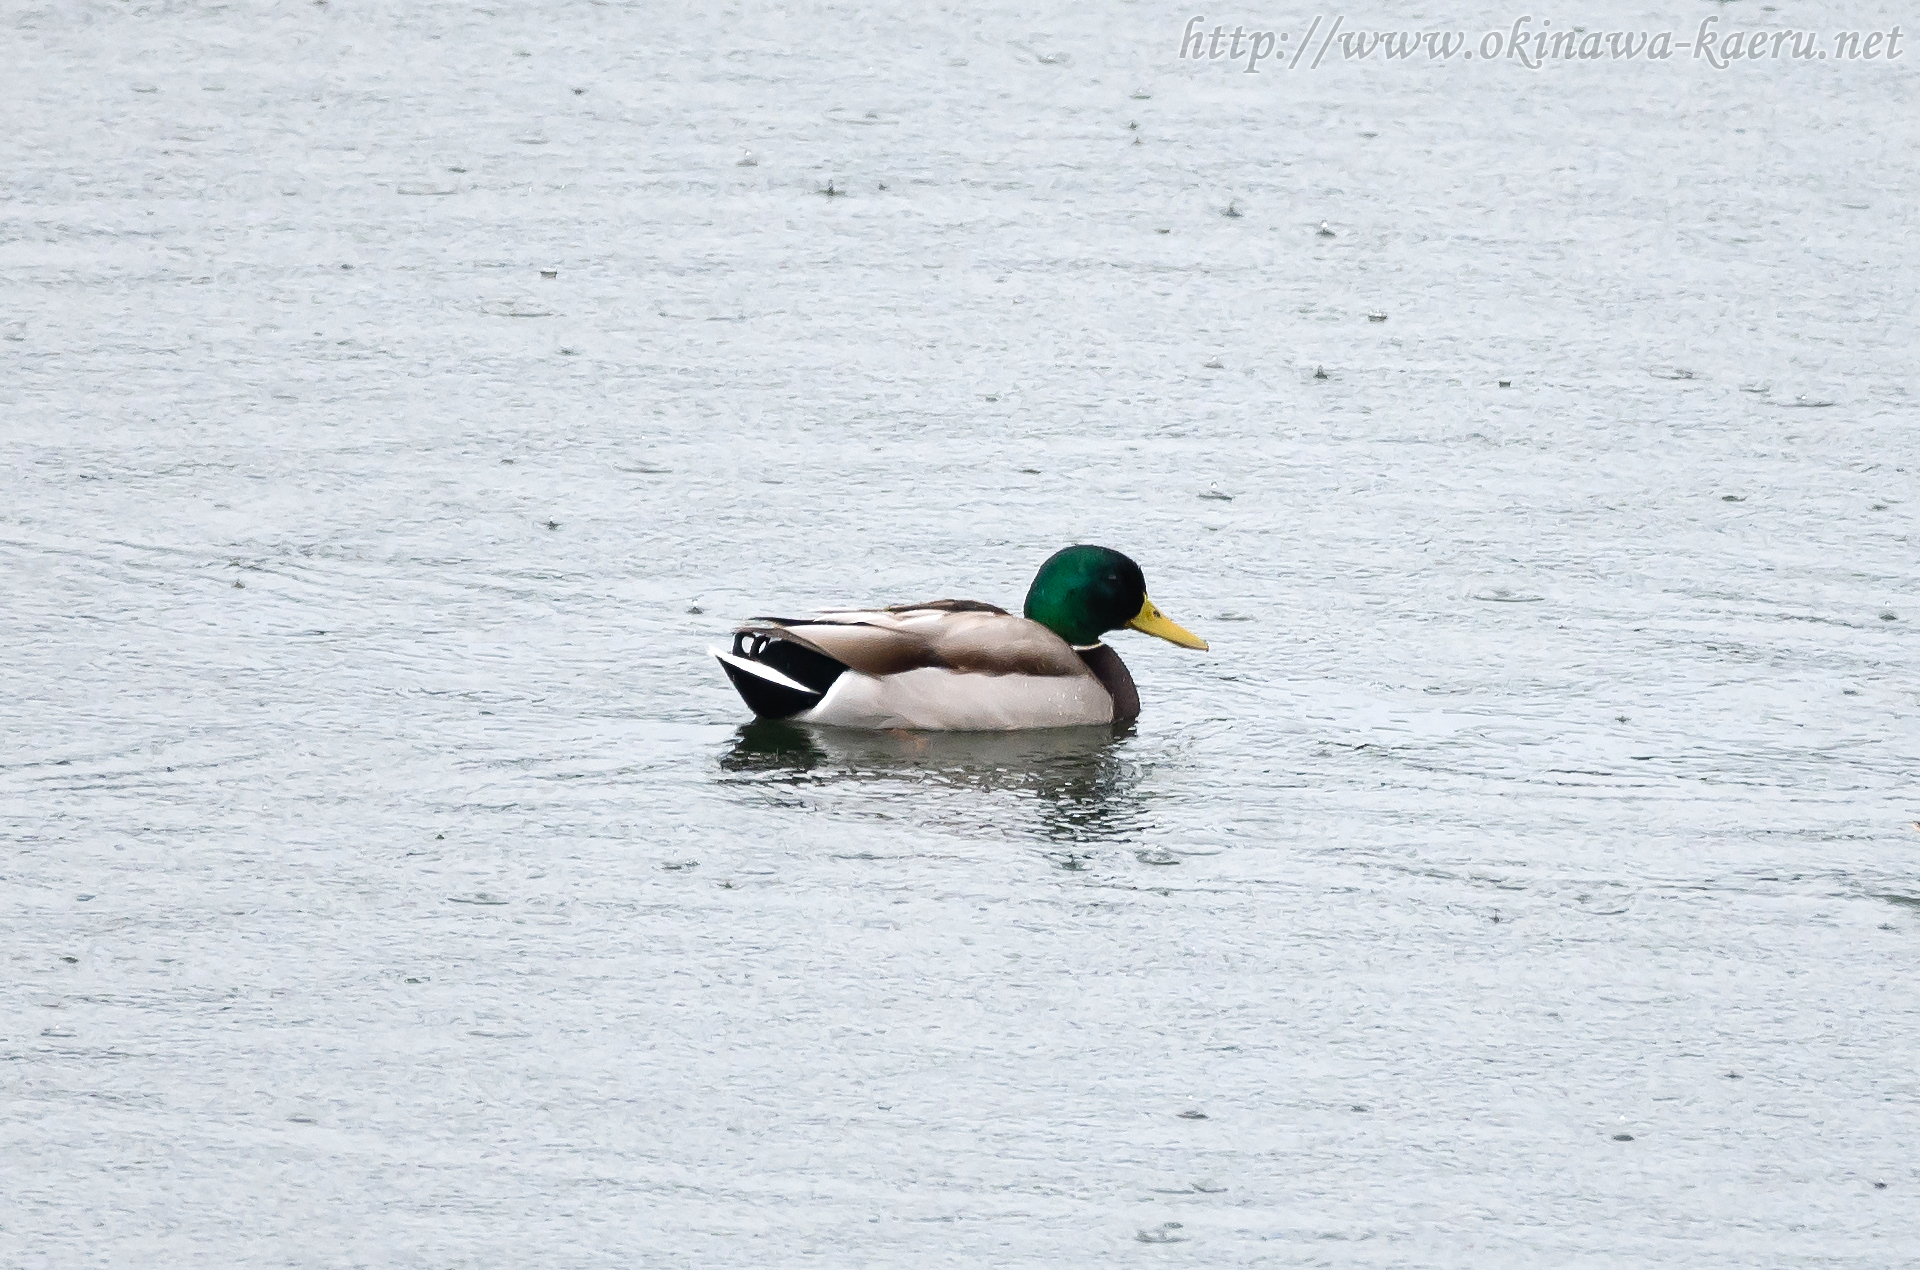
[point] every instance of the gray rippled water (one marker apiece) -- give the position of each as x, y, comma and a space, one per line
399, 399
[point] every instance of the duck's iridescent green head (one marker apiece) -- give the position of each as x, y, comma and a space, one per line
1083, 592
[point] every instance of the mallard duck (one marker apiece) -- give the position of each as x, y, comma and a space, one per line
959, 665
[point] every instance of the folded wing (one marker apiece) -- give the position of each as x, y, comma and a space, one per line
958, 635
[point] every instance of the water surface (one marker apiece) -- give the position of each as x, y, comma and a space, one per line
1525, 878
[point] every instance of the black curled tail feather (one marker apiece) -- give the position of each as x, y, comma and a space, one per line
767, 699
805, 665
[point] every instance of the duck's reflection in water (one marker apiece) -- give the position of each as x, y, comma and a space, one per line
1081, 782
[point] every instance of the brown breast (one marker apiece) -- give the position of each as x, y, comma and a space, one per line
1112, 674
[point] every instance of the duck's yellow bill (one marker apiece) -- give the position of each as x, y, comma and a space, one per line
1151, 621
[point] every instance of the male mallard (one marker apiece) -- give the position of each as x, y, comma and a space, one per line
959, 665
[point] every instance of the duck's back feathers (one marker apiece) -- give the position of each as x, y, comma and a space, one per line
959, 635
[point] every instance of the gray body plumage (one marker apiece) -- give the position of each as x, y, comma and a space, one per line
945, 666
